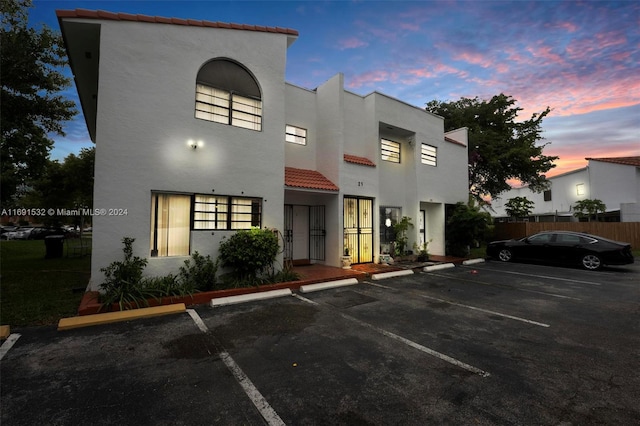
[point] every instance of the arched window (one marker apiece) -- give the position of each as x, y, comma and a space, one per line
226, 92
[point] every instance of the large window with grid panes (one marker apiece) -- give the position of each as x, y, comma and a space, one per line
173, 216
227, 93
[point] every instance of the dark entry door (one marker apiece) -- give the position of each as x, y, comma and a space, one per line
358, 228
317, 232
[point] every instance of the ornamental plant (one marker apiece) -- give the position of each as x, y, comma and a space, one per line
200, 274
249, 254
123, 284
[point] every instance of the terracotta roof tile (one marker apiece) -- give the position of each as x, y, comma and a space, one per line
358, 160
627, 161
310, 179
101, 14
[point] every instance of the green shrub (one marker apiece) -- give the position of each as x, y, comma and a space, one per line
249, 253
123, 283
168, 285
199, 275
400, 229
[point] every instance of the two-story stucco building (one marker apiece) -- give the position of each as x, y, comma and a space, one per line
615, 181
198, 135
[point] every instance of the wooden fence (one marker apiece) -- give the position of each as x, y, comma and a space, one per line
619, 231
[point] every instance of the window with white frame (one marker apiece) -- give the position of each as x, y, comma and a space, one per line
390, 150
429, 155
227, 93
296, 135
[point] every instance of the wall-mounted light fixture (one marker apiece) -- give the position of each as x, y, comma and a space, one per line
195, 144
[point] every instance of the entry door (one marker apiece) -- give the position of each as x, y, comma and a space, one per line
317, 232
300, 232
358, 228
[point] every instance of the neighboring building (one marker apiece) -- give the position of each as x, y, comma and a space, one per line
197, 135
614, 181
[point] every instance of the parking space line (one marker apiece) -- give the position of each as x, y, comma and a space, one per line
419, 347
561, 296
541, 276
408, 342
8, 344
486, 311
267, 412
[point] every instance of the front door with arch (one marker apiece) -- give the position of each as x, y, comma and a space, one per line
358, 228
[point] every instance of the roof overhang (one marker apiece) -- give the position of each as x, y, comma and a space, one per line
82, 42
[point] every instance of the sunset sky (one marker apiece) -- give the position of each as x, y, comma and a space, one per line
582, 59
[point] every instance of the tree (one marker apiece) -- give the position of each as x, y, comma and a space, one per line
500, 148
465, 225
518, 207
32, 106
67, 185
588, 208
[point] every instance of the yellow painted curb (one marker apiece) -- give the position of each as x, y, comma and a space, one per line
5, 331
109, 317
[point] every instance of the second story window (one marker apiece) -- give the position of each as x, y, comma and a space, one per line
429, 155
390, 151
296, 135
227, 93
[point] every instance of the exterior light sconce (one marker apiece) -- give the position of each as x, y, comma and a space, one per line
580, 189
195, 144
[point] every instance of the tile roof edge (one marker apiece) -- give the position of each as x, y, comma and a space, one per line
112, 16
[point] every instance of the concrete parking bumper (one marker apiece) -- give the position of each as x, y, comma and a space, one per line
110, 317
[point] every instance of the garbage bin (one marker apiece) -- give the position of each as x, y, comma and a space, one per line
54, 245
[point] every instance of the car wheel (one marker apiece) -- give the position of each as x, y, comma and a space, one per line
591, 261
505, 255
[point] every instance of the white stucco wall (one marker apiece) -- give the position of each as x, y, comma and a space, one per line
146, 115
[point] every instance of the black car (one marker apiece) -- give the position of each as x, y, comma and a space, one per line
590, 251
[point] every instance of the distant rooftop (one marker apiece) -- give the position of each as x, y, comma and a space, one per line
627, 161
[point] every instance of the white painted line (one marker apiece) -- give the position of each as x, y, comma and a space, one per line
473, 261
486, 311
408, 342
506, 286
438, 267
327, 285
391, 274
547, 294
8, 344
420, 347
232, 300
196, 318
304, 299
546, 277
267, 412
379, 285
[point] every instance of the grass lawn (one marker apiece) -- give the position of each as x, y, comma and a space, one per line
39, 291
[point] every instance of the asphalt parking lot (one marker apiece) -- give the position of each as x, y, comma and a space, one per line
490, 343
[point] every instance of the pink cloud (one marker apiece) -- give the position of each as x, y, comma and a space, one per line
545, 52
351, 43
371, 77
474, 58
